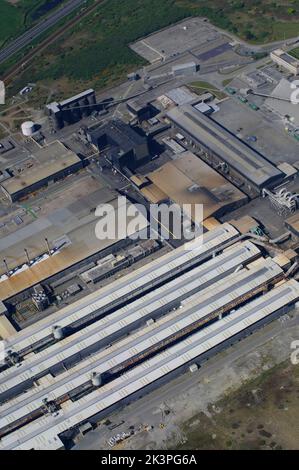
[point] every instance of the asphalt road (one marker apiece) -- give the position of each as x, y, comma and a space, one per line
38, 29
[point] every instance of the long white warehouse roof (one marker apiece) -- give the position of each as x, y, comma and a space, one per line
101, 331
126, 286
193, 311
44, 433
250, 164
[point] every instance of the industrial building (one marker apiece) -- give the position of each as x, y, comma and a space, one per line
136, 333
53, 162
185, 69
224, 151
121, 292
140, 110
72, 238
286, 61
40, 430
122, 145
189, 180
72, 109
279, 102
63, 355
193, 313
182, 95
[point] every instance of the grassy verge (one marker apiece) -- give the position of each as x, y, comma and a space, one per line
262, 414
16, 17
201, 87
95, 52
295, 52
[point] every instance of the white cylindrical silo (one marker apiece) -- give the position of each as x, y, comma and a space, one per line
28, 128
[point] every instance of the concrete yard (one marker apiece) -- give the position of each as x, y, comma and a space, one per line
176, 39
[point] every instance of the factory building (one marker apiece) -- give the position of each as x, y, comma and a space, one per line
225, 152
286, 61
73, 242
219, 305
141, 111
52, 163
72, 109
120, 292
189, 180
185, 69
46, 432
123, 146
232, 288
127, 338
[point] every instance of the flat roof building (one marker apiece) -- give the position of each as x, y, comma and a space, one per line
123, 145
280, 102
75, 241
225, 149
285, 60
53, 162
72, 109
189, 180
188, 68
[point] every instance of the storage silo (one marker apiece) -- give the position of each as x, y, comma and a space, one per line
28, 128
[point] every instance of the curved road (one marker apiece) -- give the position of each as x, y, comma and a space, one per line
39, 29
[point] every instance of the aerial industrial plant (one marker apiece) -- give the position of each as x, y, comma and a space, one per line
109, 341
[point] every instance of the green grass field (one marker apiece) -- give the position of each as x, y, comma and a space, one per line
96, 53
201, 87
295, 52
11, 21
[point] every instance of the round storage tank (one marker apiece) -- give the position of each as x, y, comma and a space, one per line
57, 332
28, 128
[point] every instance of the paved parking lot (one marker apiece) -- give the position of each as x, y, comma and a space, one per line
177, 39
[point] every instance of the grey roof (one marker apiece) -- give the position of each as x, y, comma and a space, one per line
44, 432
55, 106
119, 133
229, 148
184, 66
289, 59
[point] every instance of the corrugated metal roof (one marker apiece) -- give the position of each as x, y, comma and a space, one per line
194, 281
124, 286
234, 152
39, 433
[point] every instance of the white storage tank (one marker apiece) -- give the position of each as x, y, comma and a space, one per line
28, 128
